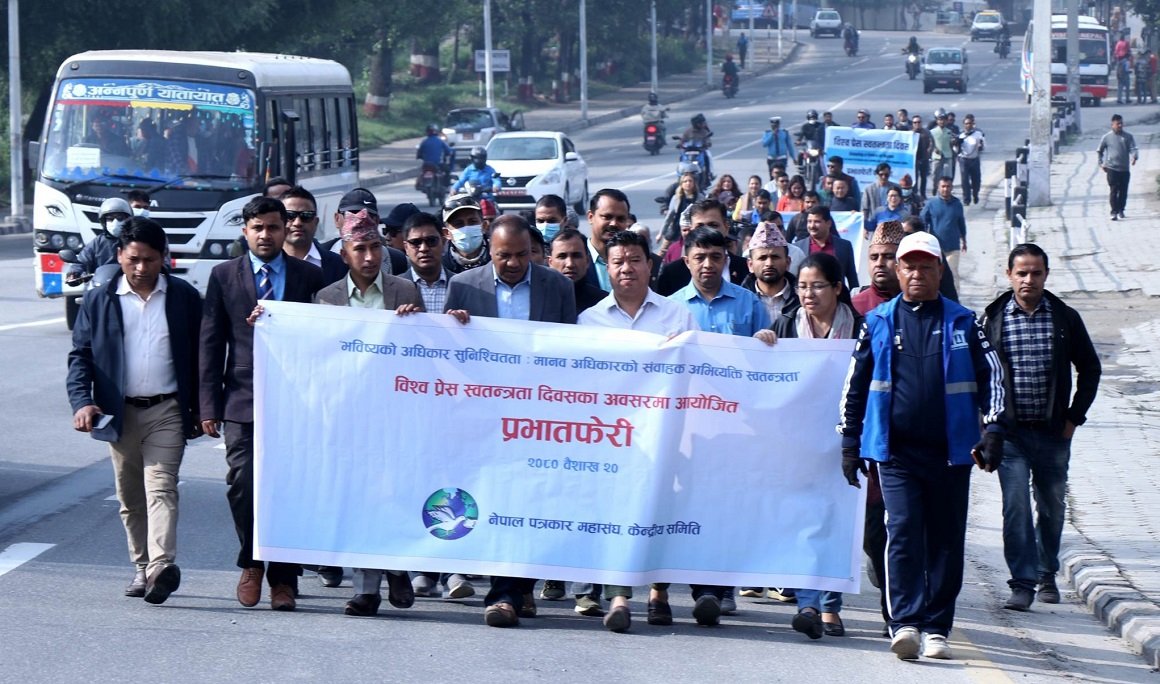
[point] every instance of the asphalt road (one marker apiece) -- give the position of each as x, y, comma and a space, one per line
63, 562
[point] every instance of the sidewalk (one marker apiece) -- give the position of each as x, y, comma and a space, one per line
396, 161
1108, 271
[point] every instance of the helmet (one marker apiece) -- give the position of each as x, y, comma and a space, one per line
432, 129
652, 99
812, 115
940, 113
775, 120
698, 119
113, 214
478, 156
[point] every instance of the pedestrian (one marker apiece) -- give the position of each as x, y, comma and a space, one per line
1142, 72
1039, 339
769, 270
366, 286
704, 214
717, 304
922, 153
946, 286
1117, 153
863, 121
466, 230
742, 48
823, 237
608, 213
921, 374
424, 242
943, 217
568, 255
971, 144
941, 154
132, 382
748, 201
874, 195
393, 224
1153, 69
302, 226
841, 198
512, 288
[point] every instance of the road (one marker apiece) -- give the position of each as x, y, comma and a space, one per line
64, 562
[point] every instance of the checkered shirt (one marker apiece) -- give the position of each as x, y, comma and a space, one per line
434, 295
1027, 346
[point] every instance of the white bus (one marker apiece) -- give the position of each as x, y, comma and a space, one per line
1094, 59
200, 133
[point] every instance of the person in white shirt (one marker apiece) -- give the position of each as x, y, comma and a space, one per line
970, 143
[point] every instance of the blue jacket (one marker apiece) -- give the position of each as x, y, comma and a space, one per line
972, 375
487, 177
945, 220
777, 144
434, 151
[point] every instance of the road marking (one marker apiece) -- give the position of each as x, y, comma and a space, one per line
18, 554
31, 324
977, 666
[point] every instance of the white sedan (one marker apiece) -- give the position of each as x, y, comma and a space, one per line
532, 164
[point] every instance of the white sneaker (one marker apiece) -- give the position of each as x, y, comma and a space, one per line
906, 643
935, 646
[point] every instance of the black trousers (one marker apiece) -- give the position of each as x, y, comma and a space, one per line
971, 178
1118, 182
509, 590
874, 544
240, 478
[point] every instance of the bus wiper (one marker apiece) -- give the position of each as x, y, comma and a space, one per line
185, 177
107, 176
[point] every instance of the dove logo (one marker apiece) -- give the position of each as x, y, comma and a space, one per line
450, 513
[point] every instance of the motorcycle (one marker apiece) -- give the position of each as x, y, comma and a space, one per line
729, 85
654, 136
912, 65
484, 197
103, 275
1003, 47
810, 163
850, 42
434, 182
692, 160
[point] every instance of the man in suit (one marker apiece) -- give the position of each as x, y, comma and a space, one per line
361, 199
302, 225
132, 382
608, 212
823, 238
568, 255
227, 369
366, 286
707, 213
512, 288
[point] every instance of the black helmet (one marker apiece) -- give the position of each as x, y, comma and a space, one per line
652, 99
478, 156
432, 129
811, 115
698, 119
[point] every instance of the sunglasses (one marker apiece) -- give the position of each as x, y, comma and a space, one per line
429, 241
304, 215
460, 201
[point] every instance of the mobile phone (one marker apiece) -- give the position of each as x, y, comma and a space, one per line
102, 422
978, 456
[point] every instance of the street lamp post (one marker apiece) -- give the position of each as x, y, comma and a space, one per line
1039, 151
653, 24
488, 80
709, 42
15, 150
583, 62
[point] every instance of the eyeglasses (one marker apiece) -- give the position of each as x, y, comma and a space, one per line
429, 241
814, 287
304, 215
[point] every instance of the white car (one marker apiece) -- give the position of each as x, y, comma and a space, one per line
826, 21
532, 164
469, 127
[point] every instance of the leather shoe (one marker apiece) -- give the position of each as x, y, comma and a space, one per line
400, 593
528, 609
500, 615
834, 629
619, 619
329, 576
136, 588
660, 613
282, 597
363, 605
250, 586
163, 583
809, 623
1021, 600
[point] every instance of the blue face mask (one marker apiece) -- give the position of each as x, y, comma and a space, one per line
549, 230
467, 239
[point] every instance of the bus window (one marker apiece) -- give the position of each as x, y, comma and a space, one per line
347, 131
334, 155
305, 158
317, 134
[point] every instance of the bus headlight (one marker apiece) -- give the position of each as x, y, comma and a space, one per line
216, 249
73, 242
40, 238
57, 241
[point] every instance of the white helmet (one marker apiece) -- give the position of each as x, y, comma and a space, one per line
113, 214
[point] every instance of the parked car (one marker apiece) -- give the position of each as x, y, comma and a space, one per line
532, 164
826, 21
945, 68
987, 25
468, 127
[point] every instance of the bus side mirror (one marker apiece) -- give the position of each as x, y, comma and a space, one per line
33, 157
290, 145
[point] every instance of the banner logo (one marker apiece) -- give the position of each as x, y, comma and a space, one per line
450, 513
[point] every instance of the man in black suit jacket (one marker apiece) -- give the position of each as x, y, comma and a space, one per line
132, 382
235, 290
674, 275
824, 238
568, 255
301, 226
530, 293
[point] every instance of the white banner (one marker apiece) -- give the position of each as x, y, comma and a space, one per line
862, 149
550, 451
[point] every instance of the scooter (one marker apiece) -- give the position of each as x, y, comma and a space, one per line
912, 66
485, 198
692, 160
729, 86
654, 136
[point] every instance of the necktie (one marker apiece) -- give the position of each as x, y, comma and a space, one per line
265, 283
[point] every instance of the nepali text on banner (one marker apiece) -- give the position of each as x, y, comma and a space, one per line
863, 149
550, 451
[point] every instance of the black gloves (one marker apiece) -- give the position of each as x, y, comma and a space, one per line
852, 463
988, 453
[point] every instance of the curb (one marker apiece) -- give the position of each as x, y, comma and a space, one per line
623, 113
1111, 597
24, 227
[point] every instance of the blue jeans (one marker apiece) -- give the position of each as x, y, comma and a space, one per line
1034, 461
821, 601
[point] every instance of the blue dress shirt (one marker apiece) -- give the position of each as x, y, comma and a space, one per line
514, 301
734, 311
277, 273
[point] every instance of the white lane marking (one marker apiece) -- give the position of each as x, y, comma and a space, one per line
221, 445
31, 324
18, 554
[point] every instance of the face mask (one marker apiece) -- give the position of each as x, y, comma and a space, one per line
906, 192
113, 227
549, 230
467, 239
141, 211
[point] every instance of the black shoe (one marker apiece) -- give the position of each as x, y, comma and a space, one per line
1114, 216
1020, 600
136, 588
707, 610
363, 605
162, 584
1048, 592
400, 593
834, 629
659, 613
808, 623
329, 576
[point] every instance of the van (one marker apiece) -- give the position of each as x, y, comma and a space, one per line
945, 68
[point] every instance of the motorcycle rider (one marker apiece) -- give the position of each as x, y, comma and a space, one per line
699, 131
653, 112
478, 173
776, 143
850, 39
912, 47
1003, 43
112, 216
436, 153
729, 68
813, 130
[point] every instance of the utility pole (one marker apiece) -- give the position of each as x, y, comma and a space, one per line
793, 23
780, 22
1074, 96
16, 148
583, 62
1039, 152
709, 43
653, 24
488, 81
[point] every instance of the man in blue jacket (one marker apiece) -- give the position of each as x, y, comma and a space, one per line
777, 144
921, 374
132, 382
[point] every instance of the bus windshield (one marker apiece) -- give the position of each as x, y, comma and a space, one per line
182, 134
1091, 51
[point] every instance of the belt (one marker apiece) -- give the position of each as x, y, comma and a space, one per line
149, 402
1033, 424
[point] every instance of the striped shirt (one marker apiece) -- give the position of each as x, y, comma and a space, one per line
1027, 346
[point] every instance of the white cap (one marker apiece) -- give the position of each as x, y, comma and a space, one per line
920, 242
